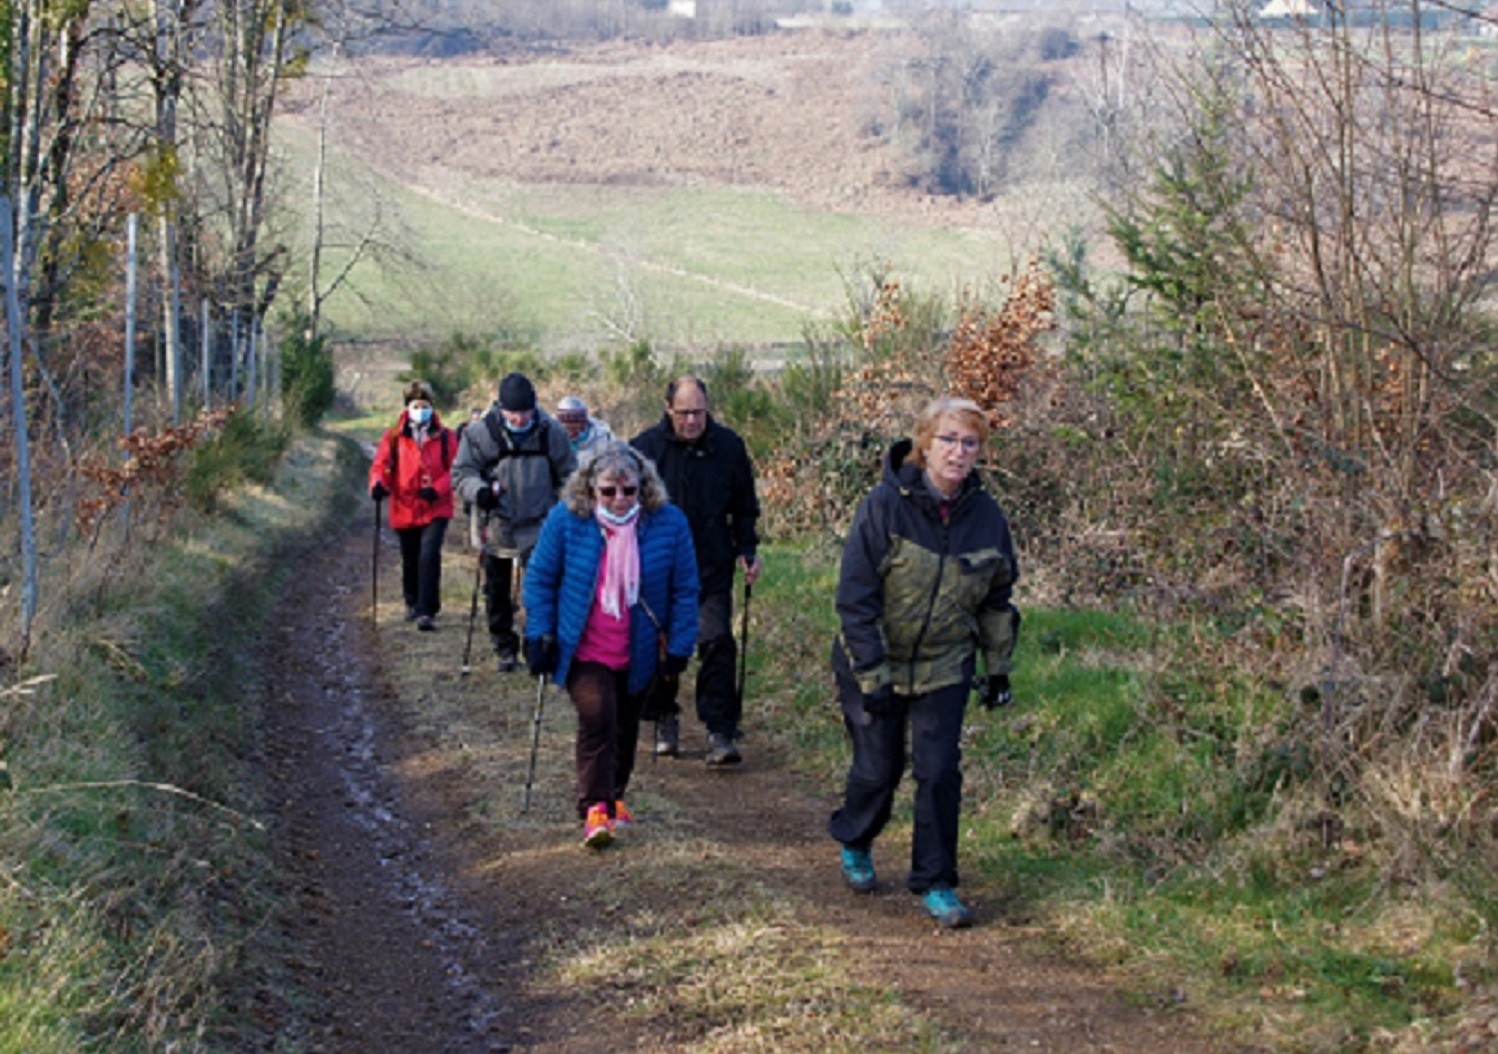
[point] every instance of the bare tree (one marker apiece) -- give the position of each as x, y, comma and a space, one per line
20, 429
1300, 357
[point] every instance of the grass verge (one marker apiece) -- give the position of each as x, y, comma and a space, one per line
132, 866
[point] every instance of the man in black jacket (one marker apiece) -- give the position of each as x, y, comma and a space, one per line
708, 474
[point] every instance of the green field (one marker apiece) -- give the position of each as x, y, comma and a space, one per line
575, 267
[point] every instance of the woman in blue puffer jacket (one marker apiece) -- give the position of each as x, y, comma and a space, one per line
612, 578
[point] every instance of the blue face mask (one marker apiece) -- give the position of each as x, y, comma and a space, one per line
520, 430
421, 414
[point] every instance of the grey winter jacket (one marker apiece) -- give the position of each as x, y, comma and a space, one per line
917, 595
530, 470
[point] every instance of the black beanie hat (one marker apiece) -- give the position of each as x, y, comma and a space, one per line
516, 393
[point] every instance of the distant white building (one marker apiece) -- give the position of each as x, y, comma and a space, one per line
1290, 9
683, 8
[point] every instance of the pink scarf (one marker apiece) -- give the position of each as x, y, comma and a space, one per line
621, 562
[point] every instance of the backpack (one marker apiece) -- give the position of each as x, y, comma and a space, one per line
501, 436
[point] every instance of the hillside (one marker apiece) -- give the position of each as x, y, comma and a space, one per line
736, 177
783, 112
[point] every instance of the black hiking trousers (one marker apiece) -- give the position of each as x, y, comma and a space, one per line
499, 603
719, 707
421, 566
935, 722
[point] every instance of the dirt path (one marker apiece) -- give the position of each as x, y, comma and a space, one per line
431, 916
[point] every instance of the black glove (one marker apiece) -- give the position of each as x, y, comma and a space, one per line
673, 665
541, 655
379, 492
881, 701
427, 493
995, 692
486, 499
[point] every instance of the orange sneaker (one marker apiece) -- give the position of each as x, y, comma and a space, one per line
598, 829
622, 816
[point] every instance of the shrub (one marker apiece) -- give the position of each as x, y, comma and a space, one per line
307, 389
247, 450
448, 369
872, 372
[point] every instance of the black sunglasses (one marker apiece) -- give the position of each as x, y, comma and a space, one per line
609, 492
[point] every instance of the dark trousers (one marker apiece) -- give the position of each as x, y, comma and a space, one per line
719, 707
499, 601
608, 730
421, 566
935, 722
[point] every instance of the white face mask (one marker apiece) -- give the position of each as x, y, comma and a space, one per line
619, 521
421, 414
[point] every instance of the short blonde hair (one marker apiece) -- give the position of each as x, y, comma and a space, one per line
965, 410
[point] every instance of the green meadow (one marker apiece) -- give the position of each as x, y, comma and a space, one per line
578, 267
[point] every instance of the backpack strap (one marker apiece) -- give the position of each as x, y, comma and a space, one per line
449, 450
501, 436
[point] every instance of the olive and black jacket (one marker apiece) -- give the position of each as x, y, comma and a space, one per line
712, 481
919, 594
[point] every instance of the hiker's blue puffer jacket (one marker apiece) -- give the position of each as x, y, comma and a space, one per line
561, 586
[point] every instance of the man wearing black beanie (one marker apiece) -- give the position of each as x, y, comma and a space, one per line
511, 466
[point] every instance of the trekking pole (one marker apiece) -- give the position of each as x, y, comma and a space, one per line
374, 574
530, 773
473, 611
744, 646
516, 570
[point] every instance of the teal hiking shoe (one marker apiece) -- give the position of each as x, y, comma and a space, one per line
943, 906
858, 870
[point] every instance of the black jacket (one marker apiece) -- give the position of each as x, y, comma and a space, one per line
918, 596
712, 481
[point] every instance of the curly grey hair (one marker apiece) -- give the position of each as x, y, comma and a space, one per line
617, 459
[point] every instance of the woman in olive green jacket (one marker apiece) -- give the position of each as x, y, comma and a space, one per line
925, 585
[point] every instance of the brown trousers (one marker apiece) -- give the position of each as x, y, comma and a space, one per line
608, 730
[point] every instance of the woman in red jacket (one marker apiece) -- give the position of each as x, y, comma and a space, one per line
413, 468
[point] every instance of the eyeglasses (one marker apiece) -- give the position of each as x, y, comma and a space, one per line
969, 443
688, 413
609, 492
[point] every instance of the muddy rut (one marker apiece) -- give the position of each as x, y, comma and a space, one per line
430, 915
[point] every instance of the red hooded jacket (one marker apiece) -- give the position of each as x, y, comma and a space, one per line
404, 468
